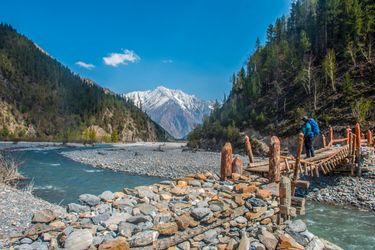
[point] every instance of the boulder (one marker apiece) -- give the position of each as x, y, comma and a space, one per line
263, 194
115, 244
137, 219
287, 242
169, 228
297, 226
147, 209
315, 244
76, 208
79, 239
210, 237
244, 242
107, 196
144, 238
43, 216
200, 212
268, 240
89, 199
126, 229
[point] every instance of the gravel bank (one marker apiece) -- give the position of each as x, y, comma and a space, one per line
168, 160
17, 208
346, 190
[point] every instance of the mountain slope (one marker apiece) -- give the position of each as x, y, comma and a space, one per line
319, 61
45, 100
177, 112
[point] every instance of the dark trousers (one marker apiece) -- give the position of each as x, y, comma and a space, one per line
309, 146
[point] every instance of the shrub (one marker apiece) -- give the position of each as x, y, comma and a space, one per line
8, 170
361, 109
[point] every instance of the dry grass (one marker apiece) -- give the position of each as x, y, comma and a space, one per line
9, 174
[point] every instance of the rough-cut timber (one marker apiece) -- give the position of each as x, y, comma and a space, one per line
248, 149
274, 160
237, 165
226, 161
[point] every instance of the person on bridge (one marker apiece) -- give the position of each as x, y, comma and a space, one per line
310, 130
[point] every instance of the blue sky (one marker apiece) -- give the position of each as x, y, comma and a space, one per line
192, 45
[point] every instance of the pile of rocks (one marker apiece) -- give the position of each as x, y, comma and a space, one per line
195, 212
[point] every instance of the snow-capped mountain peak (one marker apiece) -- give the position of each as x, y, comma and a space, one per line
176, 111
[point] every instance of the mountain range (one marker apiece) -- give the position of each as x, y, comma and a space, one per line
177, 112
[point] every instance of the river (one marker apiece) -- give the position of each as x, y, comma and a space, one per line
60, 180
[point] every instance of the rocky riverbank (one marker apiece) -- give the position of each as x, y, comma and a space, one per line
17, 208
195, 212
167, 160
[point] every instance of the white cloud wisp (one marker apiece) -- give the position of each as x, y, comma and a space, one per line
115, 59
88, 66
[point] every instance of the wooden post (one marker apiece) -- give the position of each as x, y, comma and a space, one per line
226, 161
358, 138
330, 136
324, 141
285, 197
274, 160
248, 149
237, 165
350, 143
348, 136
297, 163
369, 138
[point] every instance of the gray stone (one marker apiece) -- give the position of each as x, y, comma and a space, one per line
215, 208
255, 202
144, 238
146, 191
241, 220
76, 208
268, 240
244, 242
310, 236
107, 196
43, 216
24, 247
97, 240
184, 245
300, 238
297, 226
89, 199
194, 183
210, 237
126, 229
116, 218
137, 219
26, 241
162, 218
103, 208
39, 245
315, 244
147, 209
257, 246
68, 230
100, 218
200, 212
80, 239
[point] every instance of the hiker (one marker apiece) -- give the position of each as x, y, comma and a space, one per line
310, 130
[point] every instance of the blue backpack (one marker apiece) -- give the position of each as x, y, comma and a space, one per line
314, 127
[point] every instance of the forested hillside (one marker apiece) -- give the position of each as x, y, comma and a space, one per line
42, 99
318, 61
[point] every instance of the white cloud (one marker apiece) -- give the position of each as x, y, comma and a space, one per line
167, 61
114, 59
88, 66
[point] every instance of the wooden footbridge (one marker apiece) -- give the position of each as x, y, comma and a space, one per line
336, 153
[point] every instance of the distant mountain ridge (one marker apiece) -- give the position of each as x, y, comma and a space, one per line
41, 99
177, 112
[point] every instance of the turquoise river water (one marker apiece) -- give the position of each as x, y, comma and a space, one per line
60, 180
